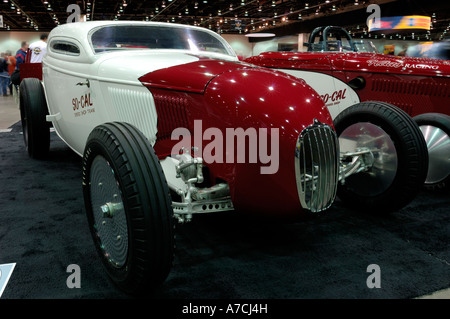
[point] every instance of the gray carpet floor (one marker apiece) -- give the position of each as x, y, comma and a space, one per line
43, 229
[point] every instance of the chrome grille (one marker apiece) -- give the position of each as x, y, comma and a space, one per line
317, 167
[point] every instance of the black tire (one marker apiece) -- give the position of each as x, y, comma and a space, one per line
33, 112
121, 154
376, 190
438, 148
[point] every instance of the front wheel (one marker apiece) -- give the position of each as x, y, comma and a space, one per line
128, 207
399, 156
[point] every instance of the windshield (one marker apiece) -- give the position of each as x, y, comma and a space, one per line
132, 37
365, 46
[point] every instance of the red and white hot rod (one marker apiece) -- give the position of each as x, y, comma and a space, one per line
169, 124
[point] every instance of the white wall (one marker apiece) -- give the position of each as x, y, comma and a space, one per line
243, 47
240, 44
11, 40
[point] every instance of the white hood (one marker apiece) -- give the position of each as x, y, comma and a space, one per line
130, 66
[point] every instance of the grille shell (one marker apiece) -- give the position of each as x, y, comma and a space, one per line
317, 167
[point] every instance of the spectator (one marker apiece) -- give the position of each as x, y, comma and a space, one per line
38, 49
4, 75
11, 66
21, 54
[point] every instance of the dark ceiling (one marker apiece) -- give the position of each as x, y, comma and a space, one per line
281, 17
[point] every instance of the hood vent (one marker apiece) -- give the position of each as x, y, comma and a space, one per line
427, 88
171, 114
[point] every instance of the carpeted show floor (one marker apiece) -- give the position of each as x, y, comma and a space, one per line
43, 229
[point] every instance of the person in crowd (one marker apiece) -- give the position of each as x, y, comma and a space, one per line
11, 60
38, 49
21, 54
4, 75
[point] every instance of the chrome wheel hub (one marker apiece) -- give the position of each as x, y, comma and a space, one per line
110, 222
438, 144
383, 162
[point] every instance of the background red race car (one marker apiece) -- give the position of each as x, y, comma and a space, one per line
345, 72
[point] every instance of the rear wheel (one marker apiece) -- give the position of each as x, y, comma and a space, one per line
435, 128
33, 112
128, 207
399, 156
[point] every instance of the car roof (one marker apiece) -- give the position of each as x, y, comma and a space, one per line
81, 29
